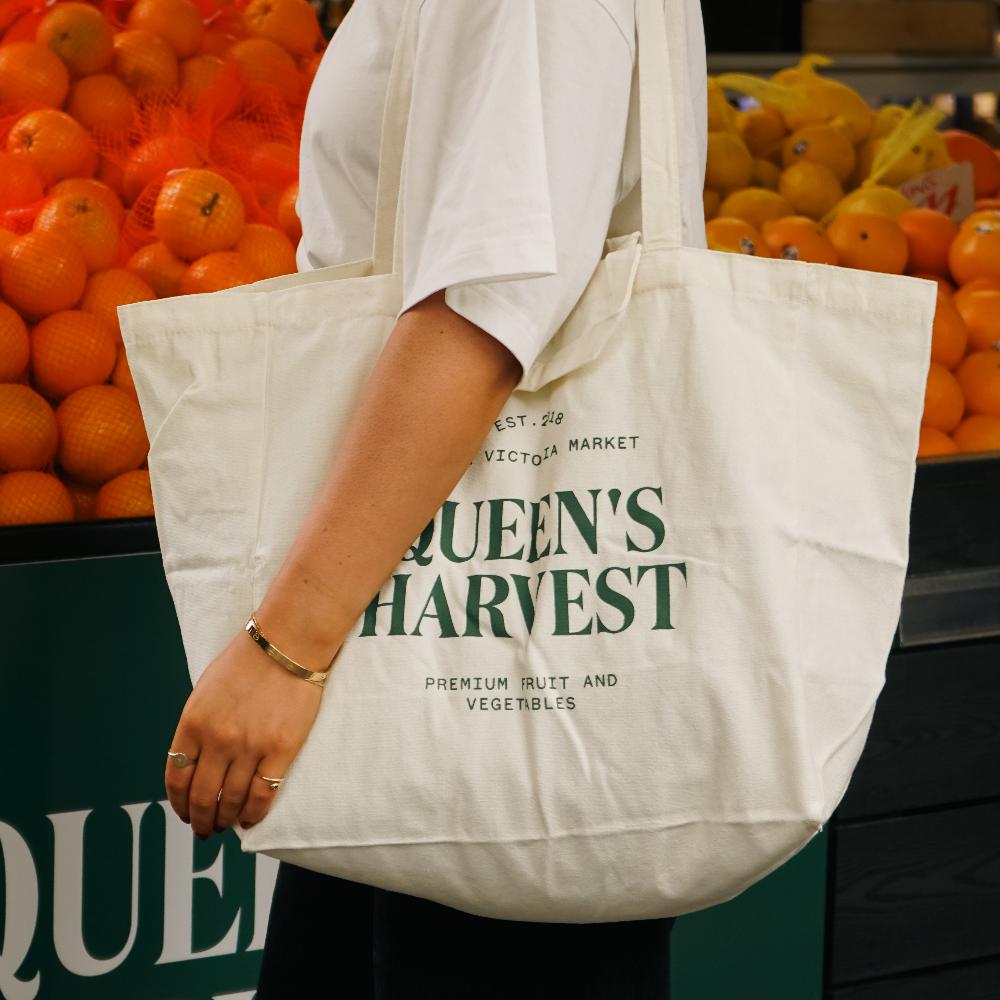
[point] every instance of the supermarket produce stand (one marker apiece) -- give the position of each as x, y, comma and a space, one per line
108, 895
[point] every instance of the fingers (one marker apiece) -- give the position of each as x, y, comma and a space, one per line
261, 795
235, 790
177, 780
224, 785
203, 794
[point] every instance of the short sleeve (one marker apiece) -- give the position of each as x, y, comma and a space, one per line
514, 154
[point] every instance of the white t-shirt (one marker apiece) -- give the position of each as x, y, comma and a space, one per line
517, 169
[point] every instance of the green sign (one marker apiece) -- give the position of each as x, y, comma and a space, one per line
105, 892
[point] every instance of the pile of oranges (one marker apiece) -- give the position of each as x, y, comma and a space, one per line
808, 178
148, 148
962, 403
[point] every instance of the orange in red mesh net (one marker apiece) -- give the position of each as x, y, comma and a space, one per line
41, 273
31, 76
290, 23
214, 271
93, 188
150, 161
101, 434
198, 212
79, 34
193, 211
127, 495
178, 22
104, 105
21, 192
29, 435
56, 143
87, 220
71, 349
270, 250
14, 344
216, 86
33, 497
147, 148
145, 62
106, 290
160, 268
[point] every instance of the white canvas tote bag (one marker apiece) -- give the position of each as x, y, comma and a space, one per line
628, 668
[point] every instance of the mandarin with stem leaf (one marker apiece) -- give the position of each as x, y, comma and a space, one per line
198, 212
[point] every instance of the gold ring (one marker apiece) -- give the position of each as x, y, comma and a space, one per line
273, 782
180, 759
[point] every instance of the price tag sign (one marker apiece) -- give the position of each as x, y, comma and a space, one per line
949, 190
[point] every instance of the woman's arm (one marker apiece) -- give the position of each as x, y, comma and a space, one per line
437, 386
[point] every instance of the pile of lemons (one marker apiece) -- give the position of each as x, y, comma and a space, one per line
813, 147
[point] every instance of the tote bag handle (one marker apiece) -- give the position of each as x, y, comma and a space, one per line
662, 83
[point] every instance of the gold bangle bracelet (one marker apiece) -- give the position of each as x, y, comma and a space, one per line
313, 676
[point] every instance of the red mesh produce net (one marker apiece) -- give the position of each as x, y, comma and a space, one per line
159, 159
235, 108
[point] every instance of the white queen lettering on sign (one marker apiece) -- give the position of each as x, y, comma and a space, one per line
72, 883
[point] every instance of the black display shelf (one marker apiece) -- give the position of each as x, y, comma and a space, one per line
78, 540
952, 588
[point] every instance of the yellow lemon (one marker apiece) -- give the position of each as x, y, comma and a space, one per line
820, 143
911, 162
821, 99
772, 153
886, 119
904, 151
790, 74
711, 200
729, 165
811, 188
760, 127
864, 160
721, 114
833, 102
877, 199
755, 205
765, 174
805, 98
937, 151
735, 236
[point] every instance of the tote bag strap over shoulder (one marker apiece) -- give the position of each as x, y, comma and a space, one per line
663, 83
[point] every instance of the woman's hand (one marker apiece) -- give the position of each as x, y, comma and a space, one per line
246, 715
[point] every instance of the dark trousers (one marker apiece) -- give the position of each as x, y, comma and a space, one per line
332, 939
